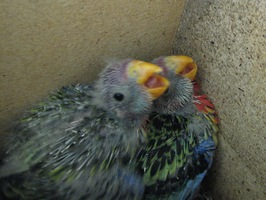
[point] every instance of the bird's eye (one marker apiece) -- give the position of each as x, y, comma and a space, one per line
118, 96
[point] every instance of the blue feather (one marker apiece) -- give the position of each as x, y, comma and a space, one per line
192, 187
206, 148
132, 182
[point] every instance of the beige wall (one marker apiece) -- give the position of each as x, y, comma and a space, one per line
47, 44
227, 39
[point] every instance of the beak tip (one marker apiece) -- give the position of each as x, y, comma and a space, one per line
146, 74
163, 84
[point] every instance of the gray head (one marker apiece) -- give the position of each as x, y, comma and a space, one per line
180, 71
127, 88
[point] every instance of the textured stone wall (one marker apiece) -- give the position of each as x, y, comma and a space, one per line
227, 40
46, 43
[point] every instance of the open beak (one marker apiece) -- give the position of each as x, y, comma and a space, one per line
146, 74
185, 66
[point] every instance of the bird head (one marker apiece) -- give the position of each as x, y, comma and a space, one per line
180, 71
127, 88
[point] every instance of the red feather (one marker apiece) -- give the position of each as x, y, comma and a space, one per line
202, 103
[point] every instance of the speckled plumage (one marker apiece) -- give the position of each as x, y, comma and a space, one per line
181, 141
75, 145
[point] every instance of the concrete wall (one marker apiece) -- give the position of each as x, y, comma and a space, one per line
47, 44
227, 39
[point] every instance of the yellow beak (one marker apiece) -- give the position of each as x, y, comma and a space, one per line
146, 74
185, 66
